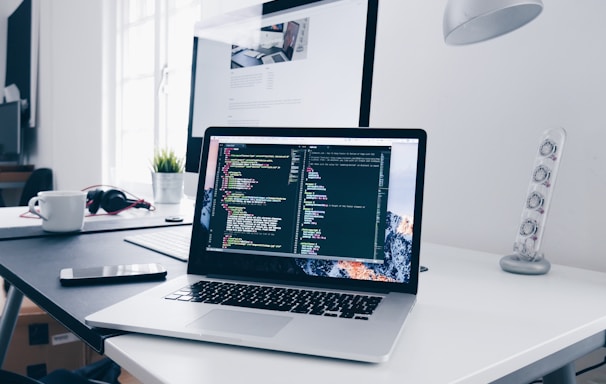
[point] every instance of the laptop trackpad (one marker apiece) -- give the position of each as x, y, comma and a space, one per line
256, 324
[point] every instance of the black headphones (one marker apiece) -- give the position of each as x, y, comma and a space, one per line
112, 201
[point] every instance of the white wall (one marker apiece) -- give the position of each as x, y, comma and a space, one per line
70, 136
484, 107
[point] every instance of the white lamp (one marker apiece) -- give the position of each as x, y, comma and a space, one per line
472, 21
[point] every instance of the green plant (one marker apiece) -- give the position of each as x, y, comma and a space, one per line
166, 161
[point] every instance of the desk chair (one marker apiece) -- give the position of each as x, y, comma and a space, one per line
41, 179
7, 377
103, 371
57, 377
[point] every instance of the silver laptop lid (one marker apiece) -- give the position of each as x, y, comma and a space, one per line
336, 207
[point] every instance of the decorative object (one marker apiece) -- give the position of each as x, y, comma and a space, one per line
167, 177
473, 21
528, 258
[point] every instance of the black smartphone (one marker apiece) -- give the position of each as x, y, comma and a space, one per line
112, 274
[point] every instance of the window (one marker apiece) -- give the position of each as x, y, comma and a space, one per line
153, 72
154, 41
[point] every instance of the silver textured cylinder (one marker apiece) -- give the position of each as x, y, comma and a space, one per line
167, 187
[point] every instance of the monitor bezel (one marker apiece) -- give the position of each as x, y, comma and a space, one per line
15, 106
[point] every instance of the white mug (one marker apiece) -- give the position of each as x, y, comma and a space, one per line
60, 211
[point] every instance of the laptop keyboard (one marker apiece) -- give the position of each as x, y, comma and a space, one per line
319, 303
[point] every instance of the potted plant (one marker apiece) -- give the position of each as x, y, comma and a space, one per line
167, 176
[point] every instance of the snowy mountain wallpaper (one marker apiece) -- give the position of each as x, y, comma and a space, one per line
395, 268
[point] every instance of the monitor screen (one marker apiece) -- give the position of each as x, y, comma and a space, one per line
10, 132
304, 63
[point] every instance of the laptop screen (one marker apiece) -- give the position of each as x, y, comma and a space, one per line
311, 204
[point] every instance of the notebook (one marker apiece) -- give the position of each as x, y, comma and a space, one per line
329, 216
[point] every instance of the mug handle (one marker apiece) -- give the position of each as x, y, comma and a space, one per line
32, 207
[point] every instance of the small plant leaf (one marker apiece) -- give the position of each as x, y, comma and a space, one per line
166, 161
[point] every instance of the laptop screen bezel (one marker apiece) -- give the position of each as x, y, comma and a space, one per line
204, 262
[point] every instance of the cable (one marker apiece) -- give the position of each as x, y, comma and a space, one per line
137, 200
112, 187
582, 371
591, 368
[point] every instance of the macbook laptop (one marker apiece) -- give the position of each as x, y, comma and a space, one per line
304, 240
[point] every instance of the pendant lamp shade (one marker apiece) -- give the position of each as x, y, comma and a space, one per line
472, 21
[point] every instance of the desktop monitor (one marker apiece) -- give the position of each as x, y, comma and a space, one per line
10, 132
304, 63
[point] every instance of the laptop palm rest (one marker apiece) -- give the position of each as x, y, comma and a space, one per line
221, 320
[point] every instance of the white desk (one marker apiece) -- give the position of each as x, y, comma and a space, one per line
10, 217
473, 323
17, 222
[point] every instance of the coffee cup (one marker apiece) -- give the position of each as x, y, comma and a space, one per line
60, 211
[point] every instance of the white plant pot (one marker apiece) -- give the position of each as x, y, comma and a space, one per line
167, 187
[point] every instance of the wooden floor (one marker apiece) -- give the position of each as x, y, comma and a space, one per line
127, 378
